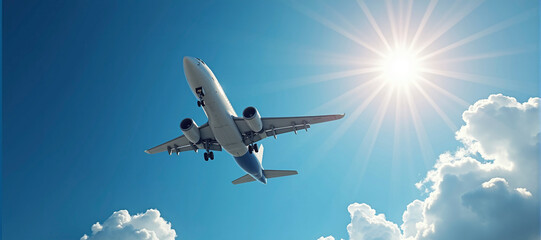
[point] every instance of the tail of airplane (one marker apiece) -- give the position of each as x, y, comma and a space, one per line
268, 174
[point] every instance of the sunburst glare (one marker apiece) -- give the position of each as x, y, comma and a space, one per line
400, 67
404, 58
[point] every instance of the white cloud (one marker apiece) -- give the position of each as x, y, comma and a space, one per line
494, 196
365, 224
413, 219
326, 238
123, 226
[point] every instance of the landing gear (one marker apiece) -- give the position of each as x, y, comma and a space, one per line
253, 148
200, 94
208, 154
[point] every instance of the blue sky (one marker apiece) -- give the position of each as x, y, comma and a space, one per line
89, 85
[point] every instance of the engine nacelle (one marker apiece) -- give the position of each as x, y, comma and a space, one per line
190, 130
253, 119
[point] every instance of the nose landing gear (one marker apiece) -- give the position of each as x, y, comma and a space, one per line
200, 94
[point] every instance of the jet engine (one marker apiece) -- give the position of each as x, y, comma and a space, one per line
190, 130
253, 119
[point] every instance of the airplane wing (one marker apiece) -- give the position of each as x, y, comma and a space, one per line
278, 125
182, 144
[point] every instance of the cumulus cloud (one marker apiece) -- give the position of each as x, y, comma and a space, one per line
366, 224
326, 238
488, 189
123, 226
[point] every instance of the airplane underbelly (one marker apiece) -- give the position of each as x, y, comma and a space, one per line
227, 134
219, 112
249, 163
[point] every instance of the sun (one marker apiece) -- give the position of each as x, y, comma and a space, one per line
404, 64
400, 67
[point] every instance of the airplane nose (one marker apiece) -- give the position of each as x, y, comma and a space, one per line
189, 62
191, 67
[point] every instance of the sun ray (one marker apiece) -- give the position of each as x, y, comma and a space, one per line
344, 97
397, 117
331, 58
350, 120
360, 109
396, 135
325, 22
458, 100
344, 20
490, 30
333, 76
405, 28
400, 20
438, 110
398, 152
392, 23
450, 23
373, 22
483, 56
375, 126
322, 56
372, 135
422, 138
480, 79
424, 20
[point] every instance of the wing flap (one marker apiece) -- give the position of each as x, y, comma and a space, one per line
277, 122
181, 142
278, 125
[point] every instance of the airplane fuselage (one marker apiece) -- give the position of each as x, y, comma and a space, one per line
220, 114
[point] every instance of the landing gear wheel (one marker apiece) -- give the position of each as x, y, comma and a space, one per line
202, 103
250, 149
199, 103
206, 156
256, 149
211, 155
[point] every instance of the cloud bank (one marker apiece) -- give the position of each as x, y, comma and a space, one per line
123, 226
487, 189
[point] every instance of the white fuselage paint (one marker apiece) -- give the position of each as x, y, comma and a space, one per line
217, 107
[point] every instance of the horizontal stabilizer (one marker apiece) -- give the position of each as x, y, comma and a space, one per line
278, 173
244, 179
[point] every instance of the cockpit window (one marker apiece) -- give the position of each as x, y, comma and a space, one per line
201, 61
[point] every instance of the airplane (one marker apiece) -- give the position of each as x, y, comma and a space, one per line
225, 130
